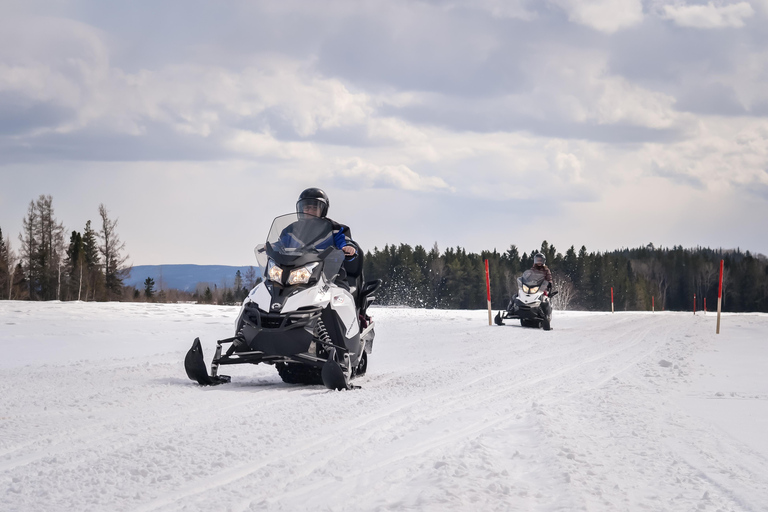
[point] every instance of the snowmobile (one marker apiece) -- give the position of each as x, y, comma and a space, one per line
531, 305
308, 317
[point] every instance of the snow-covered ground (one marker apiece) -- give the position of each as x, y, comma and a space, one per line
625, 411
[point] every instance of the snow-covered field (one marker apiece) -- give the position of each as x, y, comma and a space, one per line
625, 411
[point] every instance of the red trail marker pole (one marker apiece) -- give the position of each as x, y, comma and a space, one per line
719, 297
612, 299
705, 305
653, 304
488, 288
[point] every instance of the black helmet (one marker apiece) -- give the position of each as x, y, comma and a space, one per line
539, 259
313, 198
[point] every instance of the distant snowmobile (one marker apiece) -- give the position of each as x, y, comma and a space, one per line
308, 317
531, 305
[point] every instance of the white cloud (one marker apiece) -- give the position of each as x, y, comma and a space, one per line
66, 65
265, 145
724, 152
576, 85
603, 15
710, 15
498, 8
369, 175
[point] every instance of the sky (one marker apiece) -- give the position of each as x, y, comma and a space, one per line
472, 123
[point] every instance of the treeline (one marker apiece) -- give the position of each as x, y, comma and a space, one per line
204, 293
91, 265
455, 279
88, 265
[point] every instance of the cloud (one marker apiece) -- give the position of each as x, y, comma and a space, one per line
724, 152
606, 16
518, 9
358, 173
710, 15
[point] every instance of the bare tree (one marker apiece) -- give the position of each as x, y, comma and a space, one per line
565, 292
705, 277
250, 278
656, 274
111, 248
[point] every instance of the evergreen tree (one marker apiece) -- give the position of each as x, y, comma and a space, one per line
238, 288
74, 264
5, 272
94, 281
42, 250
149, 288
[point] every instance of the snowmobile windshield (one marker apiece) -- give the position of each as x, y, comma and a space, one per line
533, 277
301, 239
295, 234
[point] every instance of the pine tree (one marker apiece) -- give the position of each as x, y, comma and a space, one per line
238, 287
5, 281
74, 264
94, 279
149, 288
42, 250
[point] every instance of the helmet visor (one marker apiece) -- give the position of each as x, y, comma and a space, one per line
538, 259
311, 206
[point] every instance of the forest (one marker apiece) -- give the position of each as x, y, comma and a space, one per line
642, 278
91, 265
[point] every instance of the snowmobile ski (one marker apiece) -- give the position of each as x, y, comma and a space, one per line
195, 367
333, 375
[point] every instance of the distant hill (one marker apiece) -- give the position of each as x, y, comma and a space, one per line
185, 277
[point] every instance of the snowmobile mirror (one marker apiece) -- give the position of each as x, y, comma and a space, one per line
261, 255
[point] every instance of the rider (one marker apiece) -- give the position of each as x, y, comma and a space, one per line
539, 265
315, 202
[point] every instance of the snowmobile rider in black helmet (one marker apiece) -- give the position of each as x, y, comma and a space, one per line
539, 265
315, 202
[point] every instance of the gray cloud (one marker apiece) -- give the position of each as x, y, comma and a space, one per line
157, 143
19, 115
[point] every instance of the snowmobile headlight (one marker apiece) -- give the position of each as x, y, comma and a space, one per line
526, 289
274, 272
301, 275
534, 289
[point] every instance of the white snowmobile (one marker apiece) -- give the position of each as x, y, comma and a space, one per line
531, 305
309, 315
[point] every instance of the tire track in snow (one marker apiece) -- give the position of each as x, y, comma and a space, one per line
412, 411
105, 433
